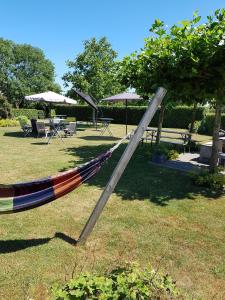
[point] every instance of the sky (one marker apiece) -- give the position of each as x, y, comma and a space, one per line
59, 27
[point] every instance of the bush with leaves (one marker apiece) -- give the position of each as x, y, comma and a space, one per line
8, 123
23, 120
176, 117
129, 282
214, 181
172, 154
196, 126
29, 113
5, 108
164, 149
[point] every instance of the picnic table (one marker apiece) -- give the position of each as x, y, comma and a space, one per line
172, 136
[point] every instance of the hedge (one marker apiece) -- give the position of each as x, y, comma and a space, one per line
207, 124
30, 113
177, 117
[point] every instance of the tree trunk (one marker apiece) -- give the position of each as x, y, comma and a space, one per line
161, 117
93, 117
216, 128
193, 117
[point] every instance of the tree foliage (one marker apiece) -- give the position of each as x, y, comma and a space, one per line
24, 70
188, 59
94, 70
5, 108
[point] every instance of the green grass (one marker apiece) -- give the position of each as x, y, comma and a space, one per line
155, 216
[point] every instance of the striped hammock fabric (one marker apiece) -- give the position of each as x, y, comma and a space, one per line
27, 195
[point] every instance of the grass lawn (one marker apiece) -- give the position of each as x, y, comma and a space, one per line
155, 216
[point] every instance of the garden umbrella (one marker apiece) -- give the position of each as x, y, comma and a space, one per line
86, 98
50, 97
125, 97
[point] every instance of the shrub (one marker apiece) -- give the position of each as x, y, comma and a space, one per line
129, 282
29, 113
23, 120
71, 119
172, 154
164, 149
207, 122
5, 108
41, 114
52, 113
8, 123
214, 181
206, 126
197, 125
180, 116
176, 117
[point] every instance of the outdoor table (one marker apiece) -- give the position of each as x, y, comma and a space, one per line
105, 125
153, 131
182, 138
55, 127
61, 116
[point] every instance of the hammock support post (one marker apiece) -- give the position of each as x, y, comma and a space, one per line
124, 160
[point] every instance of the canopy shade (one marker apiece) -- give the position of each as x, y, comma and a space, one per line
86, 98
123, 97
51, 97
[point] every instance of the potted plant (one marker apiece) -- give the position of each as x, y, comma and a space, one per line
159, 153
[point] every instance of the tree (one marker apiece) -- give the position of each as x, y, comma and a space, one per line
24, 70
189, 60
94, 70
152, 68
200, 61
5, 107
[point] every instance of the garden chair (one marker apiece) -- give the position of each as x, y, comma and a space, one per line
70, 130
41, 129
27, 129
34, 127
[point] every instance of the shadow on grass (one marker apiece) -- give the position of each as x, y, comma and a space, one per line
141, 180
40, 143
10, 246
66, 238
17, 134
99, 138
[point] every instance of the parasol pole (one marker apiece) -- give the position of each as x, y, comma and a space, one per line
126, 117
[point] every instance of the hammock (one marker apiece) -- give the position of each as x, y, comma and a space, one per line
26, 195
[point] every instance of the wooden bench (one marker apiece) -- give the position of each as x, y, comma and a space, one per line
180, 138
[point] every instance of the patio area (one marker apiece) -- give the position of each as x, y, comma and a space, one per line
186, 162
